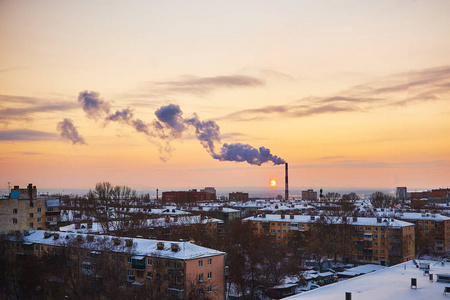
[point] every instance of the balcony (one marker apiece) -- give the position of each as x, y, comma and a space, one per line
176, 286
368, 237
138, 262
131, 278
176, 271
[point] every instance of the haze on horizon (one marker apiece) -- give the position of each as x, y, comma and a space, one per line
173, 93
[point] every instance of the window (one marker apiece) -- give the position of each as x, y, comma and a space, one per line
200, 277
200, 263
49, 208
14, 221
209, 275
149, 275
31, 215
167, 263
209, 288
209, 261
39, 209
149, 261
39, 220
130, 272
31, 225
140, 274
15, 211
128, 259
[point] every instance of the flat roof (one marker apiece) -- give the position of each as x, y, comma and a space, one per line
389, 283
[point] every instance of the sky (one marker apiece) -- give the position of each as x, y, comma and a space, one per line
221, 93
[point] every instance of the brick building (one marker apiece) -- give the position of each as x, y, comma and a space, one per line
369, 240
183, 197
150, 268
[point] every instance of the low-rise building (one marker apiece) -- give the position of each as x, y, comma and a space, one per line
379, 240
156, 269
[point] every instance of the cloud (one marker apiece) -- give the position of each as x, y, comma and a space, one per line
402, 89
69, 132
25, 135
94, 107
22, 108
203, 85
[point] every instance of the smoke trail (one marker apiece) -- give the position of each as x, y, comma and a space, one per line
69, 132
207, 132
243, 152
124, 115
169, 125
93, 105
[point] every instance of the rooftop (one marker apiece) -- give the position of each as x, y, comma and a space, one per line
144, 247
388, 283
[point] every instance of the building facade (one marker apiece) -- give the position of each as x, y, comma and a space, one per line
23, 210
383, 241
147, 269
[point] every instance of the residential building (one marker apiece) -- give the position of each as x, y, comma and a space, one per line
401, 193
238, 196
183, 197
157, 269
23, 210
379, 240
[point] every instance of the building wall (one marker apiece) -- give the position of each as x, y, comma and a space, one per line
22, 214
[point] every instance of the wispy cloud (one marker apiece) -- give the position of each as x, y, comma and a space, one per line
23, 108
26, 135
362, 164
202, 85
397, 90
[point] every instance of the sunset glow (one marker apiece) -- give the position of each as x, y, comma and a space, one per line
273, 183
170, 94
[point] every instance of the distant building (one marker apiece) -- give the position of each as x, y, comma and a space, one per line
238, 196
183, 197
23, 210
309, 195
210, 193
401, 193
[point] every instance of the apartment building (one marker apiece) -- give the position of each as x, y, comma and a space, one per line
383, 241
432, 230
23, 210
154, 268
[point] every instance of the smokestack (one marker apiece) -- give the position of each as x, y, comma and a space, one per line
157, 195
286, 192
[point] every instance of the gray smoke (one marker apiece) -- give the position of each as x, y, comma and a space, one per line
93, 105
169, 125
124, 115
244, 152
69, 132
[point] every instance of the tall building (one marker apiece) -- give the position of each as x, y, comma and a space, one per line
23, 210
309, 195
401, 193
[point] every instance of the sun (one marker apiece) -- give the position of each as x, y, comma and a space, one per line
273, 183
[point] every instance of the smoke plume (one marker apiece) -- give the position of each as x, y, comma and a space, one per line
69, 132
93, 105
168, 126
244, 152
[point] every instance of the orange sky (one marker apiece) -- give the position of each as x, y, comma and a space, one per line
350, 93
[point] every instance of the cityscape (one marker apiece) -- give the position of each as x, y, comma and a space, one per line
224, 150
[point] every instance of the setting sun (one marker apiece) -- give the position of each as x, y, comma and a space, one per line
273, 183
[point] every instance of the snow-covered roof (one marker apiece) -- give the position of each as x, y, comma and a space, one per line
149, 223
359, 270
421, 216
141, 247
388, 283
362, 221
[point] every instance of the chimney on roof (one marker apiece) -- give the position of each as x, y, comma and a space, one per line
283, 216
47, 235
116, 241
291, 216
129, 242
160, 246
355, 219
174, 247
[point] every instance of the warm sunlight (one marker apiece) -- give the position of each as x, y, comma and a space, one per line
273, 183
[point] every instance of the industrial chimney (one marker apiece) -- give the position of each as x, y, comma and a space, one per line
286, 185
